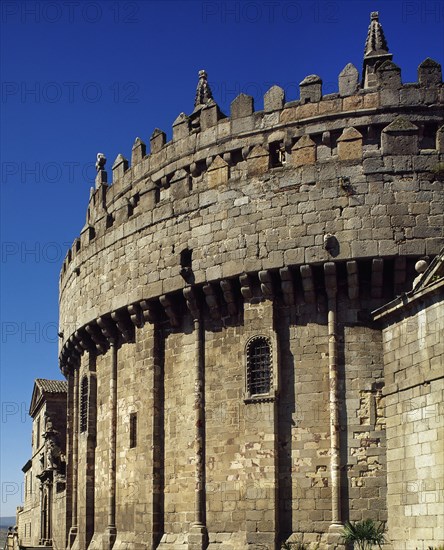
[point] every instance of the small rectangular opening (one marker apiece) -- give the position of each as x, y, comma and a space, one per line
277, 154
236, 157
133, 430
428, 137
109, 221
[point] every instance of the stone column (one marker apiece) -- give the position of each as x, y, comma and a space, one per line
111, 531
198, 536
158, 436
335, 473
42, 515
49, 514
90, 453
75, 447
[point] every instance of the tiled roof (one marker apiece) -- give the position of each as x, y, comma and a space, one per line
52, 386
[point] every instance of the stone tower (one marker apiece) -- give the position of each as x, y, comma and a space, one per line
225, 374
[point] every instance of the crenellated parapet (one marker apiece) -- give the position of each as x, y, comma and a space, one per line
263, 196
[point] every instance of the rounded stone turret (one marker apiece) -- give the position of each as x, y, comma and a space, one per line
215, 313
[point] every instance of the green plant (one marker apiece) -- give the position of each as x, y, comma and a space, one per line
364, 534
441, 547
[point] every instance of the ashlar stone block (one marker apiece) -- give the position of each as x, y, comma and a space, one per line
400, 138
180, 184
257, 161
429, 73
274, 99
138, 151
209, 115
348, 80
303, 152
242, 106
311, 89
181, 127
120, 166
389, 76
218, 172
350, 144
157, 140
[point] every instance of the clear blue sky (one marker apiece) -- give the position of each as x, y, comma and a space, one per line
82, 77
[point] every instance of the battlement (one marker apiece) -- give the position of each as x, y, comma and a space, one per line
373, 153
281, 126
207, 126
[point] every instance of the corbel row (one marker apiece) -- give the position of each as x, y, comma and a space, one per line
222, 299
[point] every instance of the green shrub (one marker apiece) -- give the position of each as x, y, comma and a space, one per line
364, 534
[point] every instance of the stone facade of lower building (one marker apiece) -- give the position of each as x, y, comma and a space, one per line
413, 340
43, 514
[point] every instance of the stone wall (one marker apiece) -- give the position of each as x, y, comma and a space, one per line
413, 346
290, 224
267, 462
383, 200
30, 518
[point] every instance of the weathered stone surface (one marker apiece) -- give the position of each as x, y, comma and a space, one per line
257, 160
348, 80
303, 152
311, 89
400, 138
389, 76
157, 140
274, 99
429, 73
120, 166
242, 106
412, 399
181, 127
218, 172
138, 151
350, 144
210, 115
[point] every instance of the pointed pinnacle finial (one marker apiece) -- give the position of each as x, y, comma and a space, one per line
203, 91
376, 41
375, 52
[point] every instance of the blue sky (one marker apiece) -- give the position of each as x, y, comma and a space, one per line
81, 77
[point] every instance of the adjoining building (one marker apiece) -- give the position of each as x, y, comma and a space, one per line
413, 345
228, 385
43, 511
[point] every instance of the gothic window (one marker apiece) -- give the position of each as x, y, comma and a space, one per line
133, 430
84, 404
259, 368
